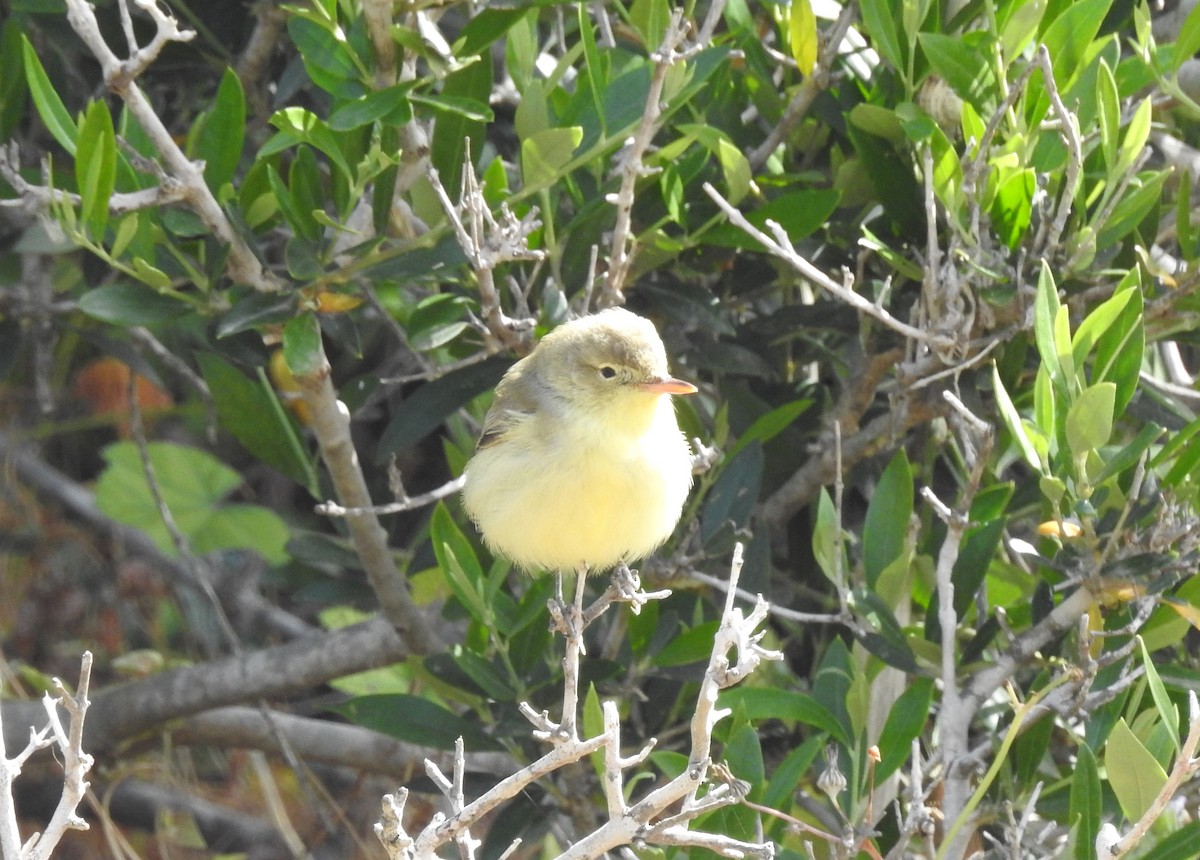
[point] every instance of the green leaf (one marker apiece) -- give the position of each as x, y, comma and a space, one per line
1097, 323
802, 36
800, 213
1090, 419
416, 720
762, 703
1136, 134
1109, 110
327, 57
192, 483
223, 133
650, 18
1070, 34
433, 402
1129, 456
251, 411
302, 345
545, 154
885, 532
127, 304
767, 427
825, 537
1188, 42
957, 60
154, 278
1167, 711
1086, 803
257, 309
49, 106
1134, 206
1045, 320
96, 167
13, 87
1180, 845
298, 124
486, 28
389, 106
730, 503
1012, 207
462, 112
880, 24
457, 560
1012, 420
905, 722
1134, 774
976, 553
692, 646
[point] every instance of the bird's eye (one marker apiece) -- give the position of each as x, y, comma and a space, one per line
608, 371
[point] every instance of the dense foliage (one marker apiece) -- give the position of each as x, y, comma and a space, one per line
943, 359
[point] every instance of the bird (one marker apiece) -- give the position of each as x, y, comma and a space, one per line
581, 465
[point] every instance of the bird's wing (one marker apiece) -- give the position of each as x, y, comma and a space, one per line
514, 404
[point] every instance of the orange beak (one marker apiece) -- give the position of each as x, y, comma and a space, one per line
667, 386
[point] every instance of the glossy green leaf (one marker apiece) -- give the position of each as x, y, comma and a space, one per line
430, 404
223, 133
1046, 315
1134, 141
800, 213
978, 548
416, 720
457, 561
1131, 453
127, 304
880, 24
302, 345
1134, 207
13, 87
1014, 422
1188, 41
885, 531
1167, 712
730, 502
1090, 419
905, 721
1181, 844
487, 28
759, 703
256, 309
327, 56
803, 38
650, 18
49, 106
691, 646
545, 154
462, 112
1012, 206
192, 485
250, 410
957, 59
390, 106
1108, 104
1086, 802
826, 539
1068, 37
1097, 323
1134, 774
767, 427
96, 167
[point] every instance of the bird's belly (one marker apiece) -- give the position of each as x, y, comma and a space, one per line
561, 511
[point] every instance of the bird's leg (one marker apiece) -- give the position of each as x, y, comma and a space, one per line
573, 633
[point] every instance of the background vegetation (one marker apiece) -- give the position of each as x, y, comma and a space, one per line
946, 367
